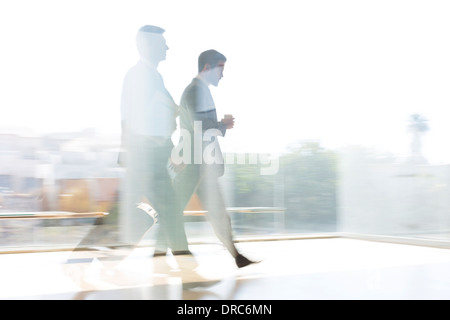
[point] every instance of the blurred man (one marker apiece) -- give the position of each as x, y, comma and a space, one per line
205, 164
148, 121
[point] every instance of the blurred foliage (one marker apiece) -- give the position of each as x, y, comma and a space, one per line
310, 179
251, 188
306, 185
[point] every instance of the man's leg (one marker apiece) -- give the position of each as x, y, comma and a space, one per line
134, 222
186, 183
210, 195
163, 198
212, 200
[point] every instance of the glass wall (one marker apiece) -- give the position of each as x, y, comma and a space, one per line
384, 196
340, 114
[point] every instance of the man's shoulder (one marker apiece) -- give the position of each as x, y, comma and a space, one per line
194, 85
197, 97
195, 88
143, 72
189, 91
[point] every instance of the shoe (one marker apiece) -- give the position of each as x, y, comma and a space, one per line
159, 254
242, 261
182, 253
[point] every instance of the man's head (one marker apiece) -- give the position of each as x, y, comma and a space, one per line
151, 44
210, 66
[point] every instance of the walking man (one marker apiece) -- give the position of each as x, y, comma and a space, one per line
206, 163
148, 121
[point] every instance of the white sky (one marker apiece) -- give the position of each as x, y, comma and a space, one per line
342, 72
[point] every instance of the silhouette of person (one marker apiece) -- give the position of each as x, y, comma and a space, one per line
205, 164
148, 122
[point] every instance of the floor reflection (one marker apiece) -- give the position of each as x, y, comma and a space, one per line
121, 274
296, 269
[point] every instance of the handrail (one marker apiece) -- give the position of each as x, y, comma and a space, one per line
74, 215
239, 210
51, 215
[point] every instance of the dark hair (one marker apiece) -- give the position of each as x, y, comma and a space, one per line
211, 57
152, 29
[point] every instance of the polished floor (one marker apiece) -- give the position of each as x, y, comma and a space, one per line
333, 268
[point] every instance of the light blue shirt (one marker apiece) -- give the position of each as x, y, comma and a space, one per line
147, 107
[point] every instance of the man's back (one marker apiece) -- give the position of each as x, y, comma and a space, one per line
147, 107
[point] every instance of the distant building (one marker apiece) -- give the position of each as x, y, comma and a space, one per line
58, 171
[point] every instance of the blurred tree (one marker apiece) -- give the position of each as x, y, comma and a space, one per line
310, 179
308, 174
251, 188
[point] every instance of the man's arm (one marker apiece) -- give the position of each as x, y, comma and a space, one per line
209, 121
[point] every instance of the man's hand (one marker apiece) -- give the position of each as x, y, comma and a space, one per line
229, 121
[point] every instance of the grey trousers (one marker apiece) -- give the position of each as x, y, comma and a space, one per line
204, 180
147, 178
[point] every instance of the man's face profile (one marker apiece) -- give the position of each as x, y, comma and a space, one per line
215, 74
